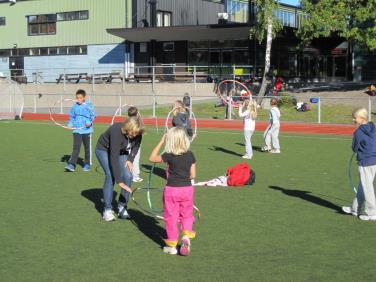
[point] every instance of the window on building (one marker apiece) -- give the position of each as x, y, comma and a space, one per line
62, 50
52, 51
164, 18
73, 16
4, 53
168, 46
143, 47
34, 52
2, 21
237, 10
41, 24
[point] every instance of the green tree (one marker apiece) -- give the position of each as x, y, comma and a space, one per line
354, 20
265, 27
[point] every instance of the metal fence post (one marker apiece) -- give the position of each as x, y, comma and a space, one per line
35, 103
120, 104
61, 104
64, 81
319, 111
93, 81
153, 89
369, 109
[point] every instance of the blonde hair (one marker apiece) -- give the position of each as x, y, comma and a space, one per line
134, 125
179, 108
177, 141
360, 112
252, 108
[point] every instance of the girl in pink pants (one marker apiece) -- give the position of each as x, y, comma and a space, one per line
179, 192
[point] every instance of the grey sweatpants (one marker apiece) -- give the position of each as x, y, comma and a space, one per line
366, 192
271, 136
248, 143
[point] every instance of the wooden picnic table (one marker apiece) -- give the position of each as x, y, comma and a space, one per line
71, 76
104, 77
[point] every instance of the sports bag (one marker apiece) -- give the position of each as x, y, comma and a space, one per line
240, 175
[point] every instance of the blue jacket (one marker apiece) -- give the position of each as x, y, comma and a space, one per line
82, 115
364, 144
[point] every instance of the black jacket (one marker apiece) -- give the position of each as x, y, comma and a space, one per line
116, 143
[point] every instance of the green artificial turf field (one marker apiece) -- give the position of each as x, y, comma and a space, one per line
286, 227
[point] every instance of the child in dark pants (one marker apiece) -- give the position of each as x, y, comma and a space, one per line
81, 118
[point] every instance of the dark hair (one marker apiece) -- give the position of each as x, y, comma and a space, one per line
81, 92
273, 102
132, 111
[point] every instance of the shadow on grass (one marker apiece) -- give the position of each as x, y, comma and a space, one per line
148, 225
224, 150
307, 196
255, 148
65, 159
95, 195
161, 172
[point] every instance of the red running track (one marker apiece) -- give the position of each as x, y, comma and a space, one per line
307, 128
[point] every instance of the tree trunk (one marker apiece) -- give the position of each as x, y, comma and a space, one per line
265, 79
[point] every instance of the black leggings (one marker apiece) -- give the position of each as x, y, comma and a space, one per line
77, 140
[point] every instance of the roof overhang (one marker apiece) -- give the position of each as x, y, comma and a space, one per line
177, 33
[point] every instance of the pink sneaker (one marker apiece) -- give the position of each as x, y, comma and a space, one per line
185, 248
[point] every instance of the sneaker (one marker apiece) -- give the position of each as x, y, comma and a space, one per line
108, 215
86, 167
275, 151
265, 149
123, 213
69, 167
247, 157
185, 248
137, 179
170, 250
348, 210
367, 217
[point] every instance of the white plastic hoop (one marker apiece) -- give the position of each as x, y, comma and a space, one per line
225, 101
52, 113
118, 111
194, 120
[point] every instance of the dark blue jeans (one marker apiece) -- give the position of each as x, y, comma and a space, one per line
109, 181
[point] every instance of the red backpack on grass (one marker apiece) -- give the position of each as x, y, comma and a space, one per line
240, 175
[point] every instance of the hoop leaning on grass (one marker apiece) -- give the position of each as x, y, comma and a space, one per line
52, 113
152, 211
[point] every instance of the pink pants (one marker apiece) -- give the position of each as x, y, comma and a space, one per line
178, 208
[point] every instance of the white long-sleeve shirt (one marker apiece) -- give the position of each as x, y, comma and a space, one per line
274, 115
249, 122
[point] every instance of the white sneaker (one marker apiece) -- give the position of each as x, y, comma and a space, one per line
265, 149
247, 157
170, 250
348, 210
367, 217
137, 179
275, 151
123, 213
108, 215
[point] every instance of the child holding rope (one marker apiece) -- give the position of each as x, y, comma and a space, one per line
272, 132
81, 117
181, 117
364, 145
178, 193
248, 111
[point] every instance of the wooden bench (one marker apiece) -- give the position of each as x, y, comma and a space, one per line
104, 77
71, 76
